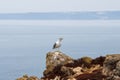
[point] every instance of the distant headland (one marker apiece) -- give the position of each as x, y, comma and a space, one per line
84, 15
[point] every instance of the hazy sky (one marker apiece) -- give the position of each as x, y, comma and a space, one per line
15, 6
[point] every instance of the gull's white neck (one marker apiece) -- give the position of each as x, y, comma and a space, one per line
58, 41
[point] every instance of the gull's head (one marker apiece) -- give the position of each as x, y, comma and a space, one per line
60, 39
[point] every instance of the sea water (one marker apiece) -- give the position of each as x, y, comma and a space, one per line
24, 45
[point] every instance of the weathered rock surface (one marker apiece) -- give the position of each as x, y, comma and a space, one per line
62, 67
111, 67
54, 59
26, 77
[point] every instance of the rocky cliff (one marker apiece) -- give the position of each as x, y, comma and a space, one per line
62, 67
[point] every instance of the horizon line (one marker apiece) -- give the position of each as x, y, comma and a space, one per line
58, 11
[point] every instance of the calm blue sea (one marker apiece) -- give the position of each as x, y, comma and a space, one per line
23, 47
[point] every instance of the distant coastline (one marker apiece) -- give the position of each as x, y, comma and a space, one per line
88, 15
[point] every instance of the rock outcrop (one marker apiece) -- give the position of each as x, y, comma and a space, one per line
62, 67
26, 77
54, 59
111, 67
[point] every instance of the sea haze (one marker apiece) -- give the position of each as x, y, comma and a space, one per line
24, 43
